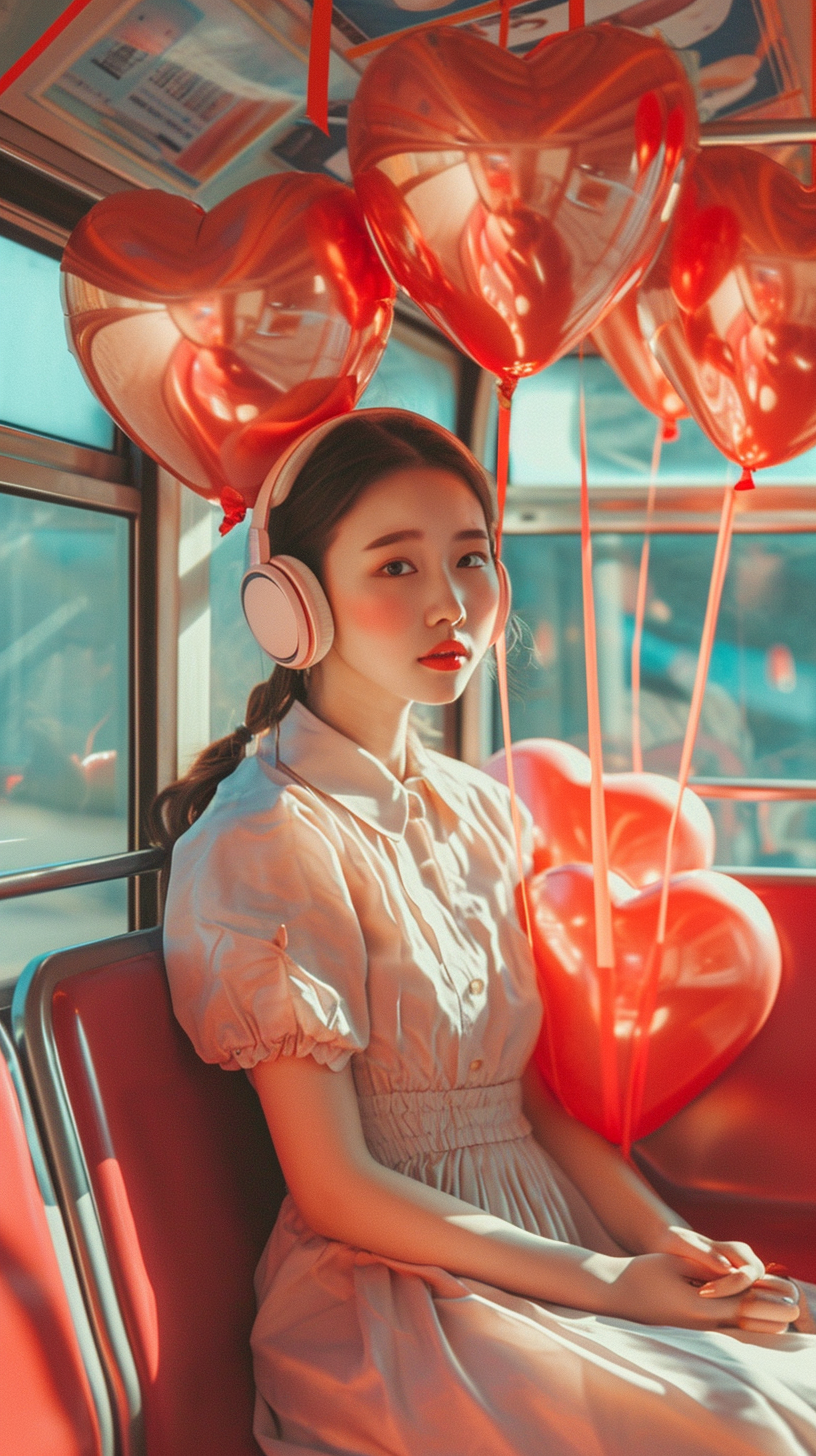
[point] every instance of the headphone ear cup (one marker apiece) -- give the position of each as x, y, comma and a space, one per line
287, 612
505, 602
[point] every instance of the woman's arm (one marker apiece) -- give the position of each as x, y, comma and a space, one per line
626, 1205
344, 1194
629, 1209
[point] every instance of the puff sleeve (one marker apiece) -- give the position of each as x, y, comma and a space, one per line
264, 951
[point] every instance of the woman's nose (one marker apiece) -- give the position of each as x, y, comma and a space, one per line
447, 606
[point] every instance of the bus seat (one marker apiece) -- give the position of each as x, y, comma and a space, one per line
740, 1161
185, 1189
53, 1400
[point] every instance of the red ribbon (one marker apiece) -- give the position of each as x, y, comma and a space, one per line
234, 507
31, 55
317, 90
640, 601
648, 999
604, 937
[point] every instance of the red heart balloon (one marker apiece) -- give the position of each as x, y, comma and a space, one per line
719, 976
552, 779
513, 199
729, 307
619, 338
215, 339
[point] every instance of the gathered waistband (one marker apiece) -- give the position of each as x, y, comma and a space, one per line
398, 1125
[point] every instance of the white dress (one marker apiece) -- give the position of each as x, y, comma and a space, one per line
320, 907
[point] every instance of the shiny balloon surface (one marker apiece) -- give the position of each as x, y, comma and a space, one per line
720, 965
619, 338
514, 199
719, 976
215, 339
552, 779
729, 305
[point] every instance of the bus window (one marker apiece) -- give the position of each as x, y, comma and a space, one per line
419, 375
64, 715
544, 438
41, 388
760, 704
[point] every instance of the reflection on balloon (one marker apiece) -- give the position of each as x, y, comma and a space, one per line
719, 976
729, 306
515, 199
215, 339
552, 779
719, 969
619, 338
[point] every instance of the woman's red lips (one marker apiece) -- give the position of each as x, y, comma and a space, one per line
446, 656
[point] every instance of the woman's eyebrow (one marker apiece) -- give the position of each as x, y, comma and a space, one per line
476, 533
392, 539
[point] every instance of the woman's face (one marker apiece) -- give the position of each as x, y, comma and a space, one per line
412, 586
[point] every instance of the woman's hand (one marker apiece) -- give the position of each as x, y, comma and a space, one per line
666, 1289
739, 1272
734, 1265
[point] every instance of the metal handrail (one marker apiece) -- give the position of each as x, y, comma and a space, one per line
759, 132
754, 791
80, 872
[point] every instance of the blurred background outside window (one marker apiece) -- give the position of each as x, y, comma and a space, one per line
759, 715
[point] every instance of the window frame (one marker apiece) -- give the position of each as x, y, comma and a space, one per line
121, 482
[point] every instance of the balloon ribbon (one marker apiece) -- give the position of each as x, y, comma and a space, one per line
505, 395
636, 1080
604, 939
317, 89
640, 602
41, 44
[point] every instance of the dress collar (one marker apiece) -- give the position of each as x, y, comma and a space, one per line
311, 752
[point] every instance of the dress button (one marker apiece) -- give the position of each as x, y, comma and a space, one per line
476, 987
474, 1066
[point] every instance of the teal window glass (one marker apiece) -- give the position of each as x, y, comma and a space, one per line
236, 661
41, 387
759, 714
36, 924
544, 436
64, 683
410, 379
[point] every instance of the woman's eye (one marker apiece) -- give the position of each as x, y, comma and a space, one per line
473, 558
397, 568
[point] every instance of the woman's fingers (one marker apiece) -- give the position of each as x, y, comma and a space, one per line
774, 1284
729, 1284
761, 1327
766, 1306
741, 1256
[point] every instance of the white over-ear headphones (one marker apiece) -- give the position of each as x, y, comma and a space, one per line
284, 604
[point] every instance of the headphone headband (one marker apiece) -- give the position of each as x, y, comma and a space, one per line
284, 472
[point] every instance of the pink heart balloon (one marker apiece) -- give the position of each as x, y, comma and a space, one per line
719, 976
552, 779
215, 339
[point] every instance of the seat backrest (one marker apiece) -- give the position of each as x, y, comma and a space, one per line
740, 1160
53, 1400
184, 1182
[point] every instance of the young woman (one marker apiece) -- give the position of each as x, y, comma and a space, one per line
459, 1269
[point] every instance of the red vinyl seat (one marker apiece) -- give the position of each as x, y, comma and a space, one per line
171, 1185
740, 1161
53, 1400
